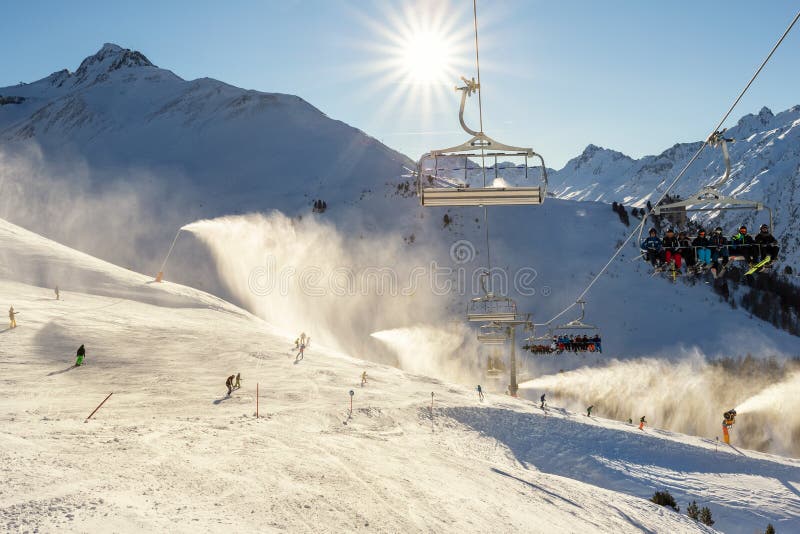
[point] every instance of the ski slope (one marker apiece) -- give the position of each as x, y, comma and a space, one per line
170, 452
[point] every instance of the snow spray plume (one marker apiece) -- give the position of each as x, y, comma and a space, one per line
119, 215
688, 395
304, 275
434, 351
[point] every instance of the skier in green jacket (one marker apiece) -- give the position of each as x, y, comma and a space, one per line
81, 354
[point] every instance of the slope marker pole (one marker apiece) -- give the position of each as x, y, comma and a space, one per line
98, 407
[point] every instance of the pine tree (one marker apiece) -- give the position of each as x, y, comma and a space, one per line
705, 516
665, 498
693, 511
770, 529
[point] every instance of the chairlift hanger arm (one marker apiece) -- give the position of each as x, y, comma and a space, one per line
718, 139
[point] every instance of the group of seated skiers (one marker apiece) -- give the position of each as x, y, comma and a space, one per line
708, 251
567, 343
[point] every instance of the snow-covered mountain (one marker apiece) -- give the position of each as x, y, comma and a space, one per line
765, 161
122, 141
170, 451
118, 155
234, 147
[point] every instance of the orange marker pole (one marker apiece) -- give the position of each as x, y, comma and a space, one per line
98, 407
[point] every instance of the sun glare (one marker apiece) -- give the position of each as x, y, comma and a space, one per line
426, 57
412, 55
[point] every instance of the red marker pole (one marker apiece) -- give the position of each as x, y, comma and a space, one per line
98, 407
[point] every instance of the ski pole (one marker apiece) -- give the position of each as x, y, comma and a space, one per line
98, 407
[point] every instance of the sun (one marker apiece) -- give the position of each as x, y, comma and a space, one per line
427, 57
409, 57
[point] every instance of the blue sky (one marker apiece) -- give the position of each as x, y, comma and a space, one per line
635, 76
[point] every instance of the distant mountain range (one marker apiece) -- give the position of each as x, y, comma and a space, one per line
765, 160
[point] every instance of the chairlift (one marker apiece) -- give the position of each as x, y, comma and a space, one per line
709, 198
593, 344
578, 324
533, 338
438, 184
495, 366
493, 334
491, 308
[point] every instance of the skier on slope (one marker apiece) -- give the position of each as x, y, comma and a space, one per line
642, 422
79, 356
652, 248
767, 244
229, 384
480, 393
12, 317
543, 401
589, 410
363, 378
238, 383
58, 295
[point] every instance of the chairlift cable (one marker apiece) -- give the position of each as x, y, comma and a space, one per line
480, 122
683, 171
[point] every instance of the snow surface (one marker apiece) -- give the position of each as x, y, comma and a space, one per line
170, 452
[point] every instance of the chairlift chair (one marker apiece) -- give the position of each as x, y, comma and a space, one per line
578, 324
533, 338
439, 185
493, 334
709, 198
491, 308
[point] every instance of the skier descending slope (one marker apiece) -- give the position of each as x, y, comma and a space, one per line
480, 393
589, 410
642, 422
543, 401
300, 354
238, 383
229, 384
79, 356
363, 378
12, 317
